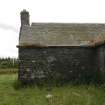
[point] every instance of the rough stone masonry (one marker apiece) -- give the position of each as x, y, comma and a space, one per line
62, 52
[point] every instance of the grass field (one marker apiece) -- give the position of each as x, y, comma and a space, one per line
65, 95
8, 71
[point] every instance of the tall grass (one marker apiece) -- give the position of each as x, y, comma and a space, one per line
64, 95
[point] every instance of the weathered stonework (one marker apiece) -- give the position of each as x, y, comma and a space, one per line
63, 63
61, 52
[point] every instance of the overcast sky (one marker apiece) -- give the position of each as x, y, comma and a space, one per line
78, 11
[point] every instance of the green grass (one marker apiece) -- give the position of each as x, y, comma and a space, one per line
65, 95
8, 71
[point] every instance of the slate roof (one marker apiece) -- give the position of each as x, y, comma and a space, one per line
61, 34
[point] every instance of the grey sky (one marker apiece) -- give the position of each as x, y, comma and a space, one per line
8, 27
78, 11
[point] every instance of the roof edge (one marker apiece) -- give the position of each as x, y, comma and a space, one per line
39, 46
98, 43
65, 23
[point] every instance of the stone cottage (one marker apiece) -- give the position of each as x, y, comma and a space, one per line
60, 51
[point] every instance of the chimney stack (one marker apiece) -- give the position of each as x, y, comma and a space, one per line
24, 18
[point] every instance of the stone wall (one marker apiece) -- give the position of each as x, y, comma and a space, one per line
77, 64
100, 62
